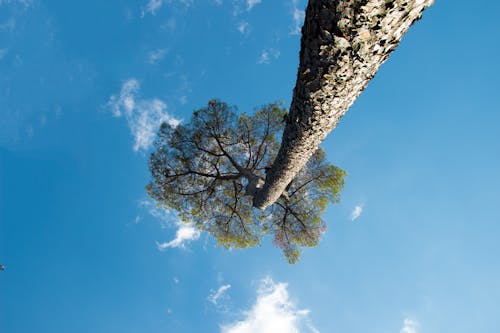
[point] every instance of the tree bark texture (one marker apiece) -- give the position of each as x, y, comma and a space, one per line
343, 44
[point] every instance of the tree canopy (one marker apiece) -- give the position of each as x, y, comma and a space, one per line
209, 169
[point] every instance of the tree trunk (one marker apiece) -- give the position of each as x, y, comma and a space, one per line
343, 44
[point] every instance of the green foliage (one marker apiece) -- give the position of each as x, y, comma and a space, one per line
202, 170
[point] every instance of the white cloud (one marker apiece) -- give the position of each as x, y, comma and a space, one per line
215, 296
152, 7
298, 16
155, 56
272, 312
186, 232
409, 326
264, 58
244, 27
242, 6
267, 55
356, 212
144, 116
252, 3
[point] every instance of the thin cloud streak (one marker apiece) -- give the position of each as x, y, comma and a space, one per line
152, 7
298, 16
156, 56
266, 56
252, 3
215, 296
244, 27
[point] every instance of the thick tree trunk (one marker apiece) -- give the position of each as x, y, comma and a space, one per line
343, 44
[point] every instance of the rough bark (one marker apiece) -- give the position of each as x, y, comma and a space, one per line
343, 44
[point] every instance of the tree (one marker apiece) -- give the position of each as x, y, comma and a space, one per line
209, 169
343, 44
215, 168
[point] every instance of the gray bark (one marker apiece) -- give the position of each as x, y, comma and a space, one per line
343, 44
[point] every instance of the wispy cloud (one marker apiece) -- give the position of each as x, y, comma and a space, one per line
25, 3
144, 116
220, 293
185, 233
244, 27
266, 56
242, 6
298, 16
272, 312
356, 212
252, 3
409, 326
157, 55
152, 7
165, 216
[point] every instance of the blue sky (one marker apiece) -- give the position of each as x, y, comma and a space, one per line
413, 247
